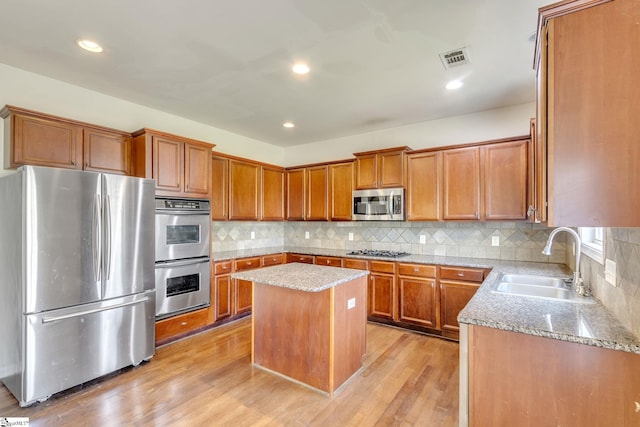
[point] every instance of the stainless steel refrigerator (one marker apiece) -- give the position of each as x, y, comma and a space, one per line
77, 291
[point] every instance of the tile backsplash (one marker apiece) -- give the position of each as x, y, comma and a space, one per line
622, 245
517, 240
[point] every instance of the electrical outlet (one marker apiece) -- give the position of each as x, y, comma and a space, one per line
351, 303
306, 234
610, 272
350, 236
495, 240
423, 239
253, 235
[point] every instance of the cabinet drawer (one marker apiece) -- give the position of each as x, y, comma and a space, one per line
466, 274
180, 324
247, 263
383, 267
358, 264
222, 267
417, 270
272, 259
307, 259
327, 260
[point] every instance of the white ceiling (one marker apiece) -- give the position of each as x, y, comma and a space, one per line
374, 63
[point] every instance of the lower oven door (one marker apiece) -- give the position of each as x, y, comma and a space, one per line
182, 286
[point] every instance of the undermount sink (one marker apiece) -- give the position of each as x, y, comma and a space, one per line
554, 288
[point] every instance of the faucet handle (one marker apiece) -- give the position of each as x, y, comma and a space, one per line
581, 289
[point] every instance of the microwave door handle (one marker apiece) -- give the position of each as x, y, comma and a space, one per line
390, 205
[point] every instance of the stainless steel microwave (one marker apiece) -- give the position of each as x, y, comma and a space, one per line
384, 204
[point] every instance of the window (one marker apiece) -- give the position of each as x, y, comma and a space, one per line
593, 242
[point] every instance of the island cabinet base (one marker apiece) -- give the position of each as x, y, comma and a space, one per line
525, 380
316, 338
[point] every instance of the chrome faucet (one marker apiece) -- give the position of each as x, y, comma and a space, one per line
577, 280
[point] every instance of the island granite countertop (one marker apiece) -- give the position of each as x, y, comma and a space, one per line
585, 323
301, 277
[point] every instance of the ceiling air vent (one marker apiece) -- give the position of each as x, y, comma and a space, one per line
454, 58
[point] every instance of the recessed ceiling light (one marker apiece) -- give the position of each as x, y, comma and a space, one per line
89, 45
454, 84
300, 68
288, 125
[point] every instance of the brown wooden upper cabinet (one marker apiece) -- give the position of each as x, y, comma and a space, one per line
461, 183
587, 67
424, 183
296, 192
273, 187
244, 190
486, 182
380, 168
317, 194
341, 191
219, 188
44, 140
180, 166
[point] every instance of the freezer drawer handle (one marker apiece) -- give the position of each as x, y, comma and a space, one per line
86, 312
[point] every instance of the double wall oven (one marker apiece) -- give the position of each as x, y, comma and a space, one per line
182, 255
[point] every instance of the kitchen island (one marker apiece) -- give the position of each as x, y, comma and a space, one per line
308, 322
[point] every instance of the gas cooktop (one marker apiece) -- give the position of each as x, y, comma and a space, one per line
373, 252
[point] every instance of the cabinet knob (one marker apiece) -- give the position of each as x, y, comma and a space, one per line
460, 274
416, 269
183, 323
249, 263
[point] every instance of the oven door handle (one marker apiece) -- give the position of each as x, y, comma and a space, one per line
171, 264
167, 212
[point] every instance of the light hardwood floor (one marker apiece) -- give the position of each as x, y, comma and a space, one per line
207, 380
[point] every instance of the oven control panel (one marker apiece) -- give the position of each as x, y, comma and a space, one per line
166, 204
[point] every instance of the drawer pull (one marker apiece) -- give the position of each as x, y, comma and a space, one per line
183, 323
460, 274
416, 269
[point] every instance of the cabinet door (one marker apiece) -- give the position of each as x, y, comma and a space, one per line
381, 295
505, 180
417, 301
341, 191
423, 186
197, 170
244, 190
42, 142
243, 292
224, 297
390, 168
461, 183
168, 165
454, 296
366, 171
219, 188
296, 190
272, 194
317, 195
107, 152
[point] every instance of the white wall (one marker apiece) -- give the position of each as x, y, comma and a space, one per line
39, 93
476, 127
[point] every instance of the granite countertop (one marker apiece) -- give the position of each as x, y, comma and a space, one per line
585, 323
301, 277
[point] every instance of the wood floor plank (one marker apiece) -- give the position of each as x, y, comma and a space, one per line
408, 379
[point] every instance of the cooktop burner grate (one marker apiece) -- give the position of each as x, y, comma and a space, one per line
373, 252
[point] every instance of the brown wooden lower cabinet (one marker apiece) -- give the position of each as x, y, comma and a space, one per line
181, 324
524, 380
453, 297
382, 289
307, 259
242, 288
328, 260
418, 295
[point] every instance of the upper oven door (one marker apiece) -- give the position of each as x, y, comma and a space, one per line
181, 235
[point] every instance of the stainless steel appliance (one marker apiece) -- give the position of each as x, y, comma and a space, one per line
77, 286
378, 253
383, 204
182, 255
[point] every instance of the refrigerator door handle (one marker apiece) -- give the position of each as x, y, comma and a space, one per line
92, 311
97, 240
107, 239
